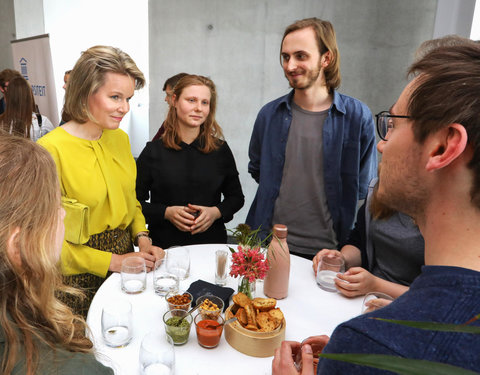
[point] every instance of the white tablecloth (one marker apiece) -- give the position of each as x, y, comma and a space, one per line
308, 311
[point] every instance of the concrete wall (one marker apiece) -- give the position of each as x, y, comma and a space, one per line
237, 45
7, 33
454, 17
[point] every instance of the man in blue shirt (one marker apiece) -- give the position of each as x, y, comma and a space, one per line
312, 151
430, 170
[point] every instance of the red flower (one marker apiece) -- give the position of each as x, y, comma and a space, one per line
249, 263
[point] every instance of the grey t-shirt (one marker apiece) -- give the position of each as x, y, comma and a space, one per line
302, 204
399, 249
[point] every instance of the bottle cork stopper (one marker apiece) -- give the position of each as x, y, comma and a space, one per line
280, 230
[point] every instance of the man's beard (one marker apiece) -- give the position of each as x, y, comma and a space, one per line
410, 199
378, 209
311, 77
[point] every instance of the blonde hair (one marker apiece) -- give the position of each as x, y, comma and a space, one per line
211, 135
327, 41
29, 311
88, 75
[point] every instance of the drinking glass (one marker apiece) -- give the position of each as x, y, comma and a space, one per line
157, 356
134, 275
178, 261
163, 281
328, 267
374, 301
317, 344
117, 323
221, 267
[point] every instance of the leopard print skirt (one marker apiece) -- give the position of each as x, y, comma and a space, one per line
116, 241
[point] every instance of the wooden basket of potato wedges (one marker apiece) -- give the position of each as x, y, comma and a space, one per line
260, 325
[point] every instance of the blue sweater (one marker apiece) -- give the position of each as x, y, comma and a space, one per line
349, 157
440, 294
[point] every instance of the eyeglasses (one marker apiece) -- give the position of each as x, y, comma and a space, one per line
385, 123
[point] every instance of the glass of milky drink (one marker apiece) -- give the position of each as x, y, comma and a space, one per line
164, 282
157, 355
328, 268
134, 275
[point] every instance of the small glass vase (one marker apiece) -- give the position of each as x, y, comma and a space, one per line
246, 287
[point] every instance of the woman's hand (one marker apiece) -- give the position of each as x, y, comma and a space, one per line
206, 217
145, 245
360, 282
331, 253
180, 216
116, 261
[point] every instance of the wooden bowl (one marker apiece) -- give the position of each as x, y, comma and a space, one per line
255, 344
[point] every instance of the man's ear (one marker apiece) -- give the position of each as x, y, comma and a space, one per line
13, 250
448, 144
326, 58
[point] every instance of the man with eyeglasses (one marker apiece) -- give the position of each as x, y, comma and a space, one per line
5, 76
312, 151
430, 170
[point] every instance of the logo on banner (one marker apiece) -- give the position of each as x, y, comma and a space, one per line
23, 68
38, 90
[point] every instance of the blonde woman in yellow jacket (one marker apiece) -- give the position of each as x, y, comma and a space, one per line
95, 166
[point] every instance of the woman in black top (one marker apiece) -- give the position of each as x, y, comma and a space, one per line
186, 172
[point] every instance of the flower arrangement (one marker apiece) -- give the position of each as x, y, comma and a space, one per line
248, 260
249, 263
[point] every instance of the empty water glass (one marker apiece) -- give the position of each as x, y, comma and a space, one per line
163, 281
157, 356
178, 261
117, 323
134, 275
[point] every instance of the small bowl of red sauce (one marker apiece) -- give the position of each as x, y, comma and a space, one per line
209, 330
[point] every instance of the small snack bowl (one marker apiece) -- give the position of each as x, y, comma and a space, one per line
178, 334
179, 300
210, 307
209, 331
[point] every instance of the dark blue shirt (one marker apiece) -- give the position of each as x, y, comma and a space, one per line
349, 157
440, 294
2, 105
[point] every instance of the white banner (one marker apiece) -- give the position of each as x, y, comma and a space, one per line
33, 59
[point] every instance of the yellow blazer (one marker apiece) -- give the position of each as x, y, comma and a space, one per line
100, 174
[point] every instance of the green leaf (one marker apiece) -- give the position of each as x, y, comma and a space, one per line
402, 366
432, 326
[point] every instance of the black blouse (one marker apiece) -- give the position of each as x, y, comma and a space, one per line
176, 178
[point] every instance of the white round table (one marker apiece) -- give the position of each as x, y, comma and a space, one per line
308, 311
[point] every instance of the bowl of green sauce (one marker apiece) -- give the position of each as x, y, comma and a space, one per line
178, 331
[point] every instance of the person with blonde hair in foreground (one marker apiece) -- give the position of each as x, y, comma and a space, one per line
39, 334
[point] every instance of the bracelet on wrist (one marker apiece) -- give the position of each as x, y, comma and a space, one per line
141, 234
